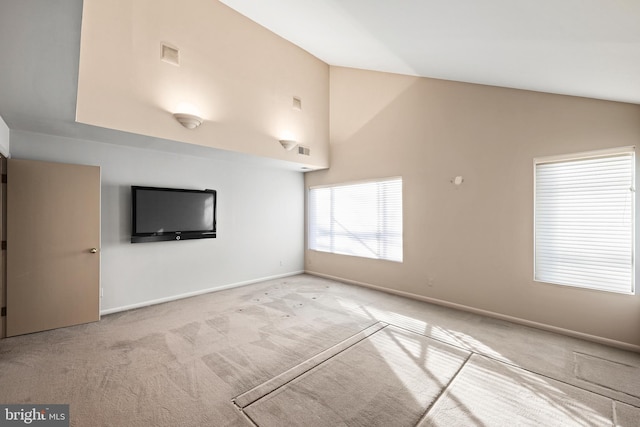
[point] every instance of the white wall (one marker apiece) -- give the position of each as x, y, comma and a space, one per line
4, 138
260, 220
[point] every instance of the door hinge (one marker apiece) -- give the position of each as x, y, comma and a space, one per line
4, 178
4, 312
3, 245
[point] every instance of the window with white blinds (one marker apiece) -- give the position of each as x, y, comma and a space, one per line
584, 220
361, 219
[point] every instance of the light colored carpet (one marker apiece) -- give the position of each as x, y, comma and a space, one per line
607, 373
247, 398
183, 363
180, 363
389, 378
541, 352
491, 393
626, 415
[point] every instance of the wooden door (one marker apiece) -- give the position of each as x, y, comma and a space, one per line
53, 242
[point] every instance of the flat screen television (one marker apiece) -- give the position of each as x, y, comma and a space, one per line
172, 214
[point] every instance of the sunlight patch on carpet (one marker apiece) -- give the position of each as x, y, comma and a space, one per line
490, 393
390, 377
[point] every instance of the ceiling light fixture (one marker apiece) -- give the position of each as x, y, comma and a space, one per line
288, 144
190, 121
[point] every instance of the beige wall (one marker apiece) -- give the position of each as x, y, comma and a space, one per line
239, 76
470, 245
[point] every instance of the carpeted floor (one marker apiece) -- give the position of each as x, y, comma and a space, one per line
389, 378
311, 352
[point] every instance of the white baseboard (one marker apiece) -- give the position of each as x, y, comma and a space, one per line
195, 293
525, 322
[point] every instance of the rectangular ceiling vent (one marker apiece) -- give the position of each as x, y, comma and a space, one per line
170, 54
305, 151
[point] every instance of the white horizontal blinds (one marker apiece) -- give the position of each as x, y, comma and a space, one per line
320, 226
363, 219
584, 222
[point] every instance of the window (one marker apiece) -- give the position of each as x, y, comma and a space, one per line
362, 219
584, 220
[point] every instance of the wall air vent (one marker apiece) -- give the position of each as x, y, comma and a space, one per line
305, 151
170, 54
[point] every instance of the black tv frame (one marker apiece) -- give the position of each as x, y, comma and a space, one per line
137, 237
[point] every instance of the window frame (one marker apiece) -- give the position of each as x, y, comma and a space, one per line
355, 183
612, 152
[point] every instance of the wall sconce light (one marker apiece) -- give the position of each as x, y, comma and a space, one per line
288, 144
190, 121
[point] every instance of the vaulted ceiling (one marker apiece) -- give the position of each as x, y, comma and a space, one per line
587, 48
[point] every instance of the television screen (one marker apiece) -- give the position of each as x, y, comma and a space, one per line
172, 214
